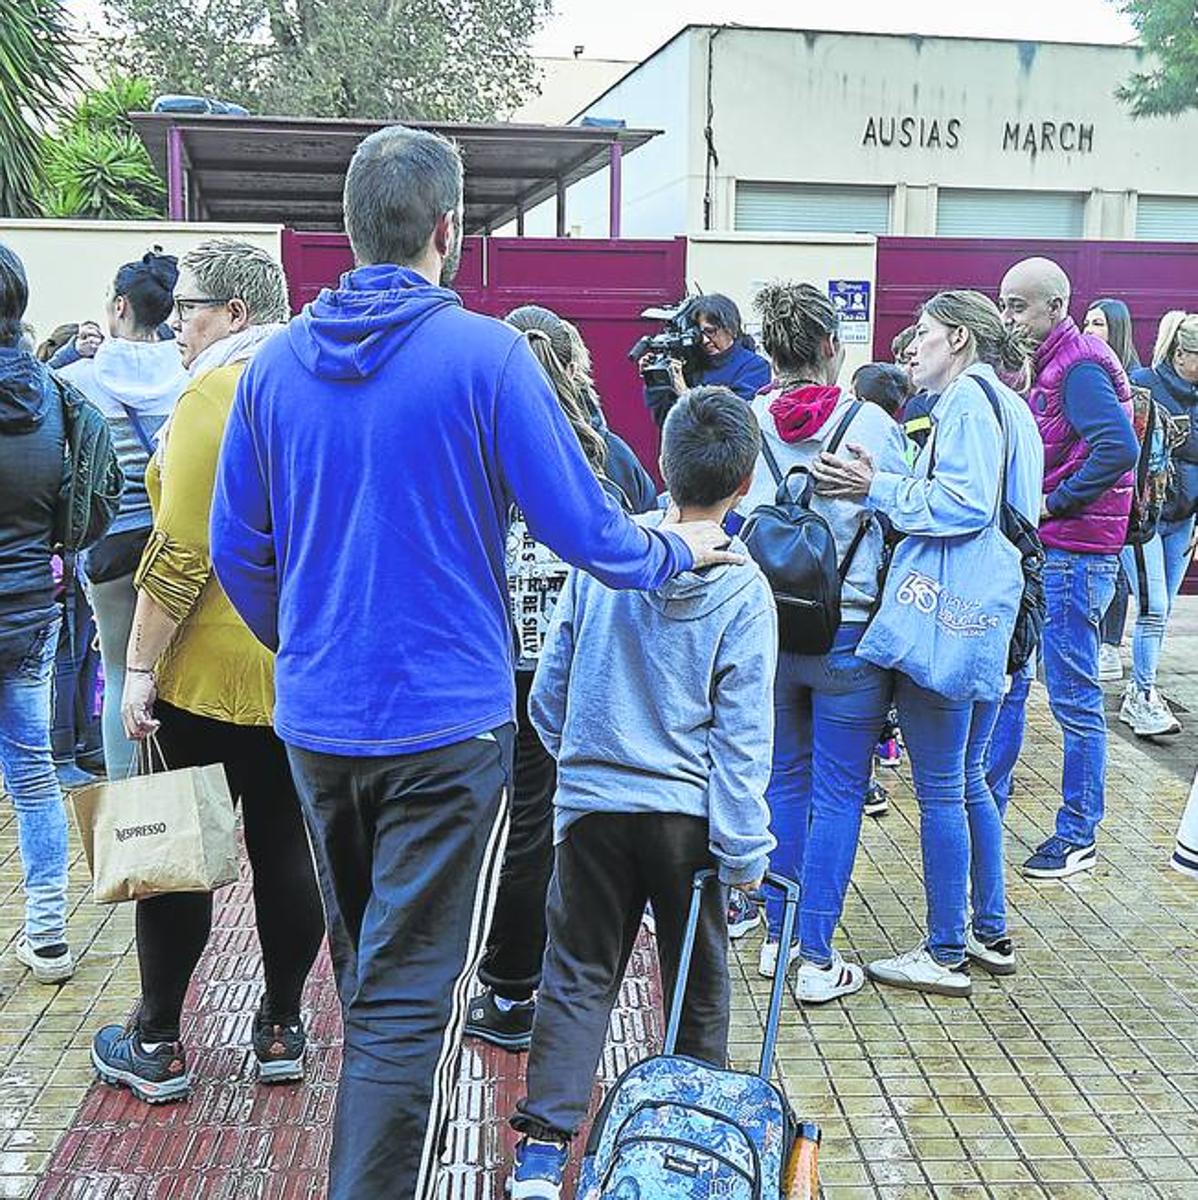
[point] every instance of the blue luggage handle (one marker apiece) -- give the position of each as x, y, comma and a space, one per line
790, 915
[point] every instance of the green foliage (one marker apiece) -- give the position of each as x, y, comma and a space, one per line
96, 166
1169, 32
381, 59
36, 67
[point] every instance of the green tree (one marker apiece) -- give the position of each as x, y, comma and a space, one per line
36, 67
1168, 30
95, 165
382, 59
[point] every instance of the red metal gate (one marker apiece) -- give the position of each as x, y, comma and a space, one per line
602, 286
1149, 277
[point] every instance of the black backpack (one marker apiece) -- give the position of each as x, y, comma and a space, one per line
92, 481
796, 551
1025, 537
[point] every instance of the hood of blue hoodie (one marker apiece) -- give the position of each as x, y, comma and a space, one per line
352, 332
26, 388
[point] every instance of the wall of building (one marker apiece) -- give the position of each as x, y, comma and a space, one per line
565, 86
738, 264
71, 264
955, 135
660, 94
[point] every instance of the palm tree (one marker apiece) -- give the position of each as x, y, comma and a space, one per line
95, 165
36, 66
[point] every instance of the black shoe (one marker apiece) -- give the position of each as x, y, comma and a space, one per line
279, 1049
92, 761
156, 1076
511, 1030
877, 800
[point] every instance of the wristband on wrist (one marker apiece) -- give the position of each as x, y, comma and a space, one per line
140, 670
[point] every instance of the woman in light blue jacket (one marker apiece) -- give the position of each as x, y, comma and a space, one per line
951, 492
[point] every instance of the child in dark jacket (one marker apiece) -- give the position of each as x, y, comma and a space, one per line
658, 707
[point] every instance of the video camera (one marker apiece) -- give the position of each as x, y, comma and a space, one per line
679, 340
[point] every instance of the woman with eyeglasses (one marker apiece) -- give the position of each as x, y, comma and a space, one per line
729, 356
198, 679
1164, 559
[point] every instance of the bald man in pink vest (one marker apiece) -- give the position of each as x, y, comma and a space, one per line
1081, 401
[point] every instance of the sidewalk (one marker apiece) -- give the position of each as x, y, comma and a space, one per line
1076, 1078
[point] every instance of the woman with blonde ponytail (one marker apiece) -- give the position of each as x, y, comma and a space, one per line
982, 433
510, 971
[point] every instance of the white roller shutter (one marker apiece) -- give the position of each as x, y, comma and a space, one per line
811, 208
964, 212
1167, 219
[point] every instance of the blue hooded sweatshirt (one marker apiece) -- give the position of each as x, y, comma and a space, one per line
373, 453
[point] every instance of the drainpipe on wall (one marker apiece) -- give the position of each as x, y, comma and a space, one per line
713, 159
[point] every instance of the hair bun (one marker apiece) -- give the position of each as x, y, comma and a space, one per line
163, 268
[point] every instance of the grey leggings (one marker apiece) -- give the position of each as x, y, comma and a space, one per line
113, 602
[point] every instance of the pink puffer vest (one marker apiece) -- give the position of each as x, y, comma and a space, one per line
1099, 527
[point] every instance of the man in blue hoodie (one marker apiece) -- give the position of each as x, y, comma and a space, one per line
370, 463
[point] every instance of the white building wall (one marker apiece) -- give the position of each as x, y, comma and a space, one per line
918, 115
71, 264
661, 94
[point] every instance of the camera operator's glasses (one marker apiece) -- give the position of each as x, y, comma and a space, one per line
709, 333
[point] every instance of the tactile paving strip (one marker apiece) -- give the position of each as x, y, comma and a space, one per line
238, 1139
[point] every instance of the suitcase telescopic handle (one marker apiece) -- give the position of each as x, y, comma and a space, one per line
790, 915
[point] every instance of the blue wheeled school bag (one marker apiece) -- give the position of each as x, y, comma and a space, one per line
675, 1128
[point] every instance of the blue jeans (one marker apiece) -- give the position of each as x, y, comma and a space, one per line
1165, 562
1007, 739
25, 706
1115, 617
1078, 589
113, 602
829, 711
959, 827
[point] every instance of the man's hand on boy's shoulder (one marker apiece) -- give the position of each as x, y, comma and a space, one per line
706, 540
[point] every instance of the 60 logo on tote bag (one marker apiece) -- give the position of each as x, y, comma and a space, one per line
948, 612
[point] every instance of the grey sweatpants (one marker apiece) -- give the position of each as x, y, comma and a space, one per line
605, 870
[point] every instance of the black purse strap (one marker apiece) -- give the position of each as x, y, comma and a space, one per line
1002, 429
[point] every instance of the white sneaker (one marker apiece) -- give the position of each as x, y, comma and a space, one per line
1110, 664
1131, 704
997, 957
920, 972
818, 985
1153, 717
767, 961
46, 970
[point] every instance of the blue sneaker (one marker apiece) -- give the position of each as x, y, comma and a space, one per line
1058, 859
743, 915
539, 1170
156, 1076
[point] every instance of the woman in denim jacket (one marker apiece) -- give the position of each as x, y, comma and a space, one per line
951, 492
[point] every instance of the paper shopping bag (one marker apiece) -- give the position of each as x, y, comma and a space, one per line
165, 831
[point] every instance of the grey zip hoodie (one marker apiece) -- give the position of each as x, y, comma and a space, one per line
663, 702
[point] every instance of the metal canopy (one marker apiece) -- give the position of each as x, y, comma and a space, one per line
290, 170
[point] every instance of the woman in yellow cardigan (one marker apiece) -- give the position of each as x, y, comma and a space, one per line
198, 679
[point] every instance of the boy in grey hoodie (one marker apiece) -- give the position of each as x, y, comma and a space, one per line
658, 708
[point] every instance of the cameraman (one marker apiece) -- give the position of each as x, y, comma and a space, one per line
727, 356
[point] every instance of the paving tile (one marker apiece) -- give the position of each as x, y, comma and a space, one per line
1074, 1080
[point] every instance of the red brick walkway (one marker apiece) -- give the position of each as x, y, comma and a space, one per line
237, 1139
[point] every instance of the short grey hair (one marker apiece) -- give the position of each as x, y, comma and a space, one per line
231, 269
400, 182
